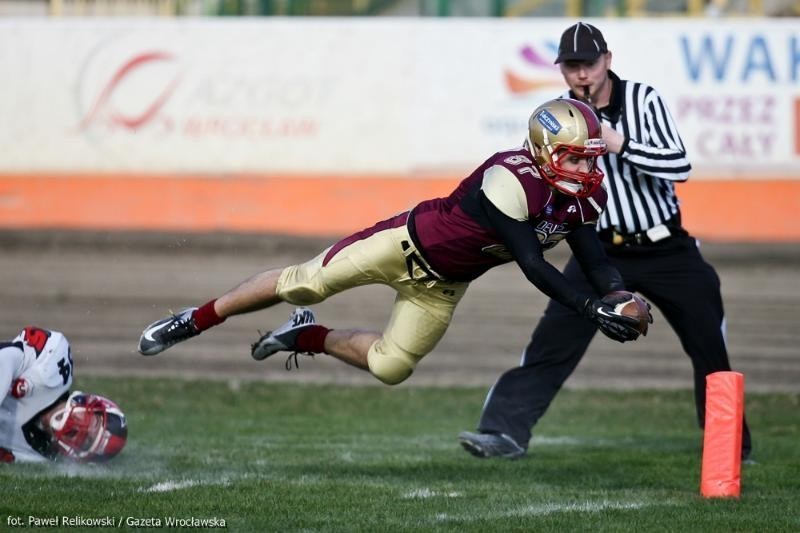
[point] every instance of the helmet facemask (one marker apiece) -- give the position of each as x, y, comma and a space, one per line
561, 128
88, 428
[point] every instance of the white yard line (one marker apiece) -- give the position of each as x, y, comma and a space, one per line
547, 509
169, 486
428, 493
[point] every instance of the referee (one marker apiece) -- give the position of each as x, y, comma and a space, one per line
642, 234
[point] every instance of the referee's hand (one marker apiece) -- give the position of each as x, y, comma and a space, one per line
613, 139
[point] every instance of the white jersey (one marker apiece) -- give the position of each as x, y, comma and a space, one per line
35, 371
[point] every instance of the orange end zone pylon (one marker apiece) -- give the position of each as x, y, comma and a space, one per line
722, 438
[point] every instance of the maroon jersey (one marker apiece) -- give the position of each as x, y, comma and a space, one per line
459, 242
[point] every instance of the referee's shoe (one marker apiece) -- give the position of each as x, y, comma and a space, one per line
490, 445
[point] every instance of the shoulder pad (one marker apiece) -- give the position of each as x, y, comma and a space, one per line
505, 191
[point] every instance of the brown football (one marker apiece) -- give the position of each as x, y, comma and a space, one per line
634, 306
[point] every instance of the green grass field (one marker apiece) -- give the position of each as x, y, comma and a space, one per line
266, 457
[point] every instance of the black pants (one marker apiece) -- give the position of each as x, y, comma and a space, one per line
673, 276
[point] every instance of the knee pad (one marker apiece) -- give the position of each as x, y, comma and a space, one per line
390, 365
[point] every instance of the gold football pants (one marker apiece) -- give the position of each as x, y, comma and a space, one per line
422, 309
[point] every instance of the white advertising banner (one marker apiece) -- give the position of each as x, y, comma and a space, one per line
373, 95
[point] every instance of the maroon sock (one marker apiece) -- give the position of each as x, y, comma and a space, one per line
312, 339
205, 316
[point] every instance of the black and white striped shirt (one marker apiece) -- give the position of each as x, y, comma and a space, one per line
640, 180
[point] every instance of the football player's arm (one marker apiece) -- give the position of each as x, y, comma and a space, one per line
588, 250
10, 359
520, 238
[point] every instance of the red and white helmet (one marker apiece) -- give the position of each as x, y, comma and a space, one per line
88, 428
561, 127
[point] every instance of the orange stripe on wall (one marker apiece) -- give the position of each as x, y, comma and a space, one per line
750, 211
758, 210
281, 204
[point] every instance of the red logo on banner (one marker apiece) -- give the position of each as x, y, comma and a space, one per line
102, 106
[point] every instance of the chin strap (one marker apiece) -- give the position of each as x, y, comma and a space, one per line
572, 188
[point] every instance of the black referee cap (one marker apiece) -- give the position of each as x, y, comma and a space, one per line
581, 42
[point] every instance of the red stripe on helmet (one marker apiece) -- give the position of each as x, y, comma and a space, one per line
592, 122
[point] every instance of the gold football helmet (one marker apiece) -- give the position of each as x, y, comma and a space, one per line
561, 127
